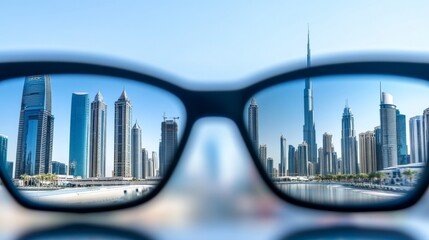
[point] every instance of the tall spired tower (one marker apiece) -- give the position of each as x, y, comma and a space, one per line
309, 128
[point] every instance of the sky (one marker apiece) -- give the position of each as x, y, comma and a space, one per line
217, 42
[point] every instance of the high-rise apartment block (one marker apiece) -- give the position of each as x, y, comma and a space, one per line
367, 152
97, 137
122, 136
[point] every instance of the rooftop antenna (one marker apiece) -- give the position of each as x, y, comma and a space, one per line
347, 103
381, 97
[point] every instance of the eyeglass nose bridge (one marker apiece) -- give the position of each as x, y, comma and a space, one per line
227, 104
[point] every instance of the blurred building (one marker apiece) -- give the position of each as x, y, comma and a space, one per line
36, 128
416, 139
79, 135
122, 139
97, 157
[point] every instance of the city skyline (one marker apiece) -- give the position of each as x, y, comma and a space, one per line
150, 112
366, 114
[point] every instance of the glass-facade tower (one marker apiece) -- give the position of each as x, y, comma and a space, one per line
36, 128
349, 143
309, 129
167, 146
389, 139
401, 135
3, 151
79, 135
122, 137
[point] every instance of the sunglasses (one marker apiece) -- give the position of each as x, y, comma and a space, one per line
88, 137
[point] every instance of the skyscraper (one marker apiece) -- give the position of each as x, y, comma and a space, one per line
367, 152
349, 143
122, 137
416, 139
145, 164
167, 146
59, 168
9, 168
329, 166
97, 160
426, 134
270, 166
320, 161
401, 135
79, 135
378, 148
36, 128
291, 163
388, 131
283, 157
263, 155
253, 124
302, 159
309, 126
155, 164
3, 151
137, 165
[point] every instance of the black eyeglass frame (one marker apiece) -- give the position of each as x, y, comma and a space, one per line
220, 103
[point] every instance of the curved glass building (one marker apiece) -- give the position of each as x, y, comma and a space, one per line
79, 135
36, 128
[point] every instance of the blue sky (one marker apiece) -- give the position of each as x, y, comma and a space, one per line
149, 105
217, 42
